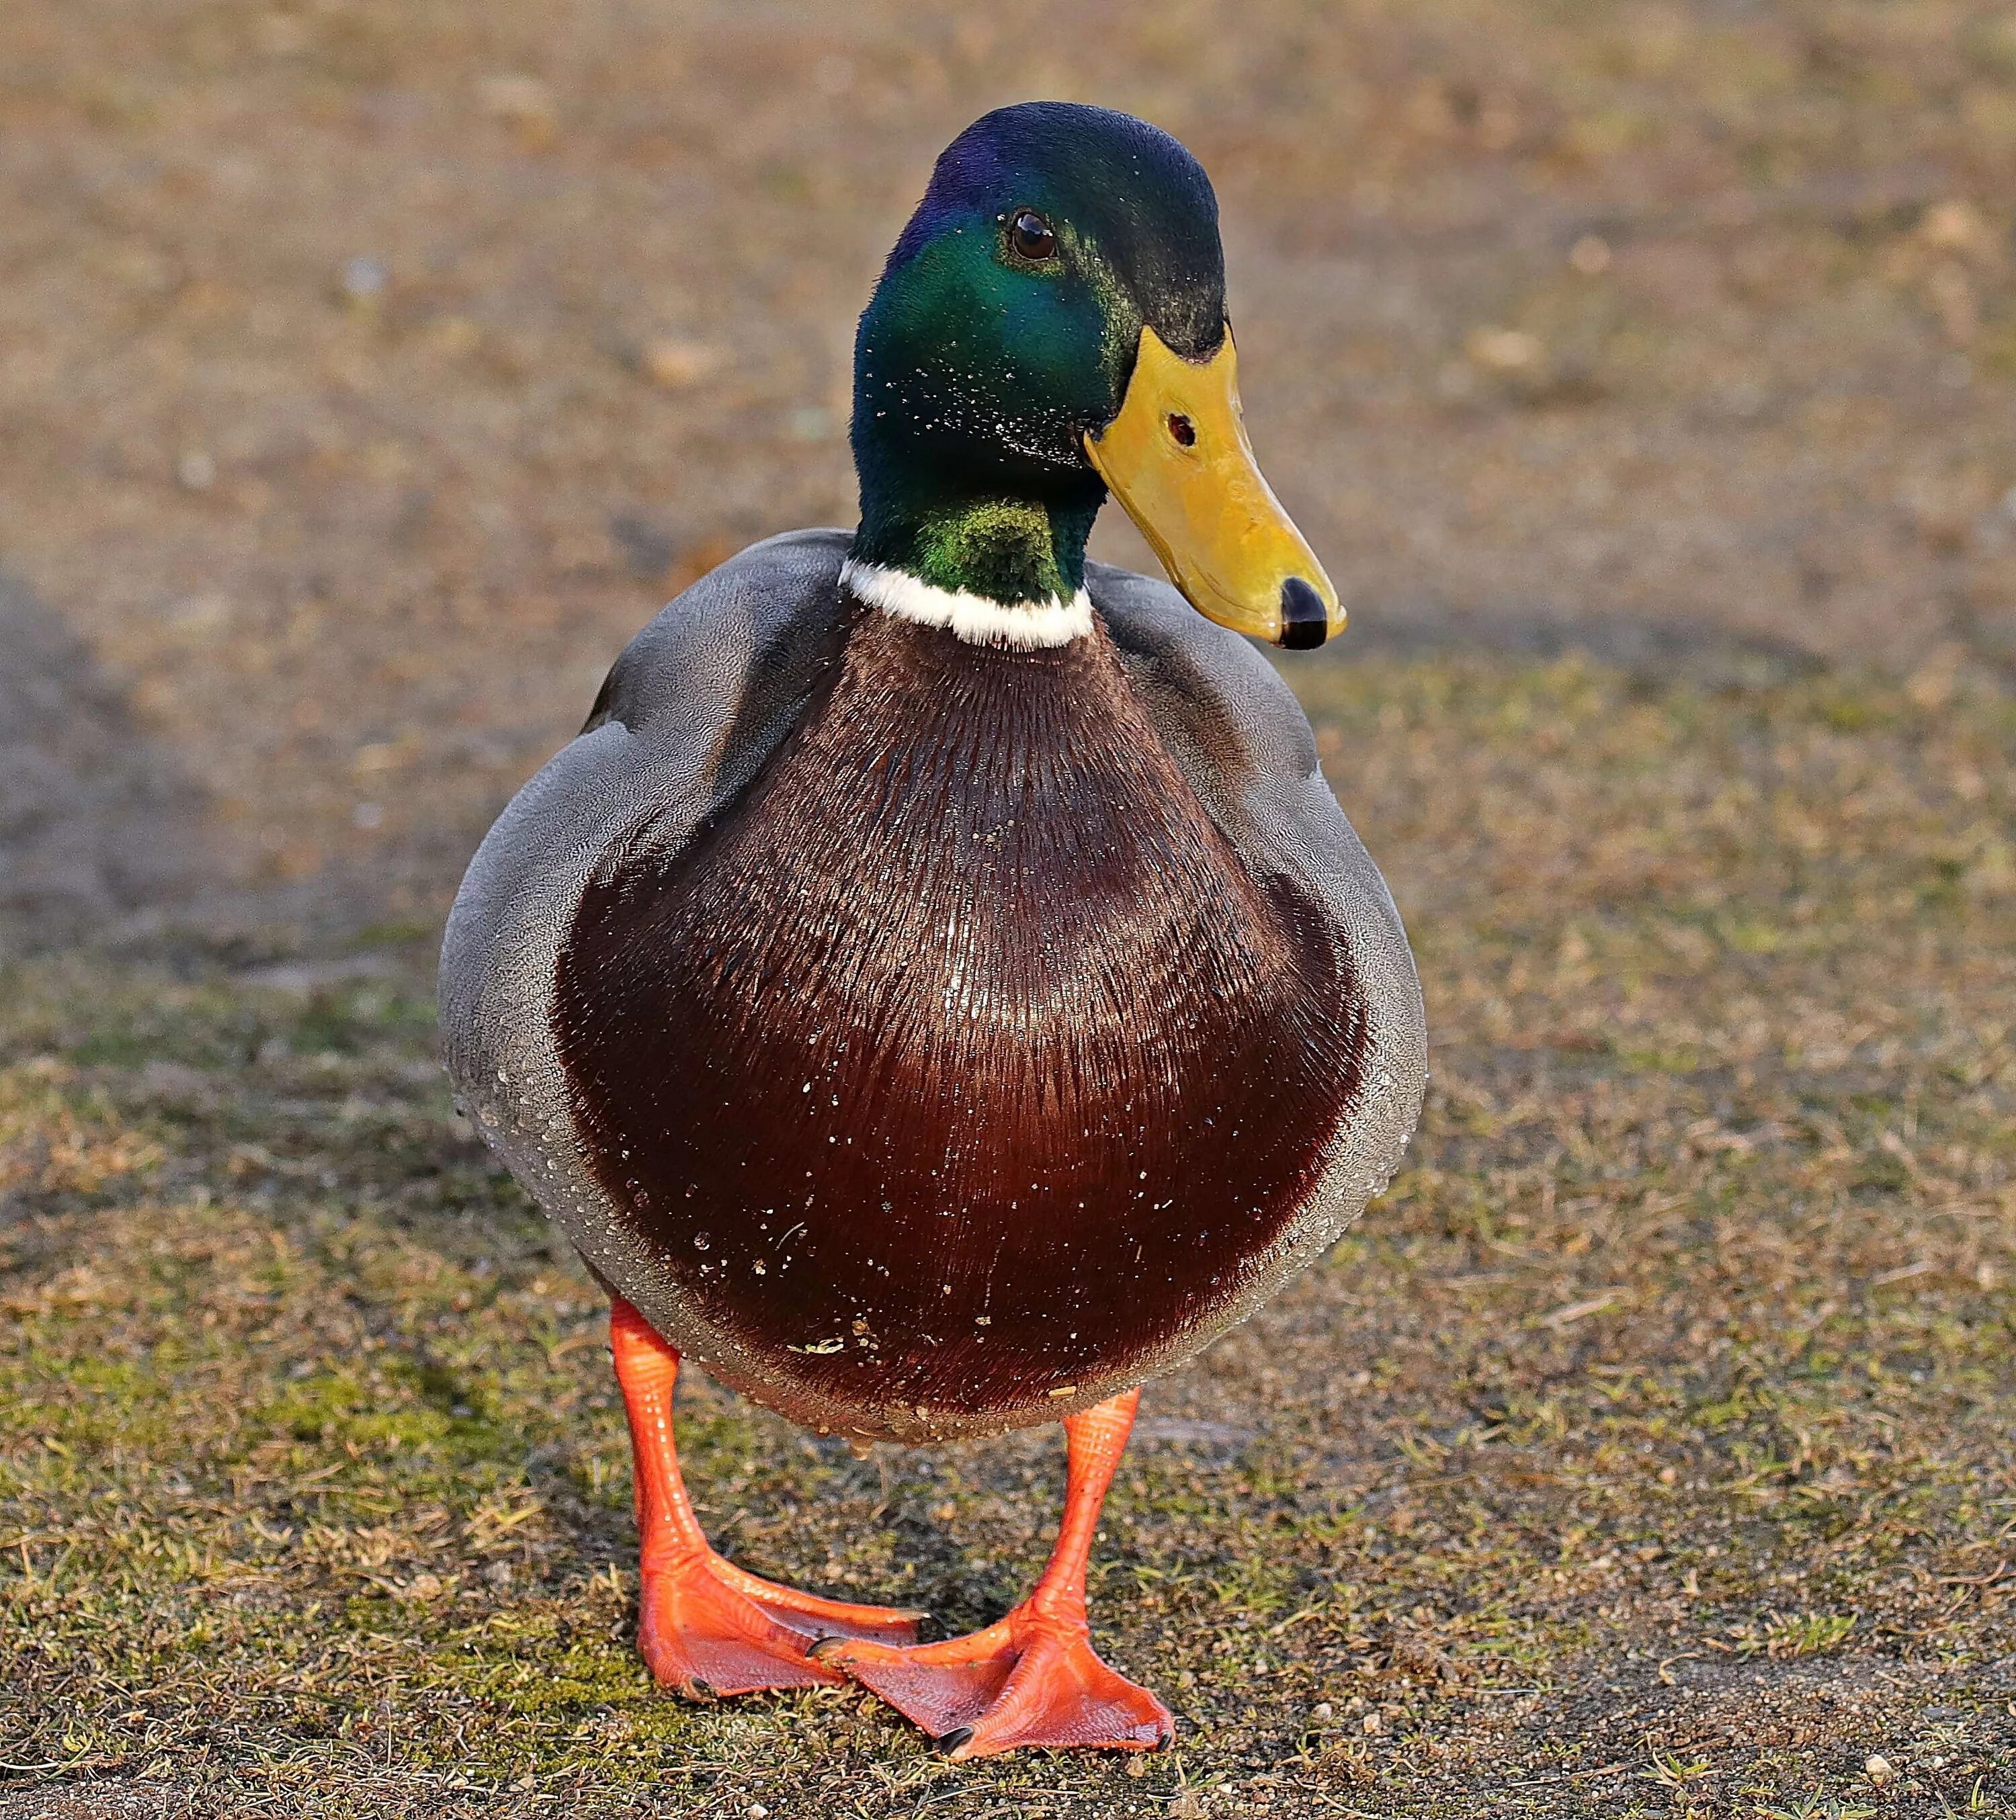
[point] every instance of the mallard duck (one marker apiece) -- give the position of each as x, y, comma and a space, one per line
937, 991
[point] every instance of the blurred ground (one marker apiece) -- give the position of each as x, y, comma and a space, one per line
369, 371
1647, 376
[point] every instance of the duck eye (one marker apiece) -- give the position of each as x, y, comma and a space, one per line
1031, 236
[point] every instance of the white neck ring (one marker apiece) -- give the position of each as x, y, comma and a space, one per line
1032, 626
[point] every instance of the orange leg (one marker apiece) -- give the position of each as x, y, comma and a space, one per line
706, 1627
1032, 1678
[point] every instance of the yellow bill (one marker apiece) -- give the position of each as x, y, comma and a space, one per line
1176, 457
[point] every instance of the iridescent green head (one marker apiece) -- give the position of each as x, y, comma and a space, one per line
1003, 332
1059, 251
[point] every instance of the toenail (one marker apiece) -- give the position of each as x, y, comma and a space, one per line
826, 1646
951, 1740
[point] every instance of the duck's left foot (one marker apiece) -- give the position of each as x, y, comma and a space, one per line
1031, 1680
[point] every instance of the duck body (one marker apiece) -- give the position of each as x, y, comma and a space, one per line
934, 1037
937, 991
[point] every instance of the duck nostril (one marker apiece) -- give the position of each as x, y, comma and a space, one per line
1183, 430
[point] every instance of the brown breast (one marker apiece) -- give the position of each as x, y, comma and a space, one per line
963, 1060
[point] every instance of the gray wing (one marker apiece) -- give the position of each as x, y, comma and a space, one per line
1237, 733
703, 696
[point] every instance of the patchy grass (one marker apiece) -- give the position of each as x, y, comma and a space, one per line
1646, 1451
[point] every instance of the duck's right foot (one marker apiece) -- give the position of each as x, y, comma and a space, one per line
705, 1628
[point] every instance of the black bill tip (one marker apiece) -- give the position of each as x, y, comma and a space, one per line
1305, 625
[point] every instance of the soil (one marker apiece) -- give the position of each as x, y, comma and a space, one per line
372, 372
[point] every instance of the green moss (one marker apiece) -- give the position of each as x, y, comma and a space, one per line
1620, 1379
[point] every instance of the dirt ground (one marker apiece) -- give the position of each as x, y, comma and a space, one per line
1647, 375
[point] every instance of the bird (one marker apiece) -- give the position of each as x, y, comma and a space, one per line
938, 990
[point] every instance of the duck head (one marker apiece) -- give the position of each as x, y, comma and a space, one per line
1051, 327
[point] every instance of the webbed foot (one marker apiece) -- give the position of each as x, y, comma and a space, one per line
1031, 1680
705, 1628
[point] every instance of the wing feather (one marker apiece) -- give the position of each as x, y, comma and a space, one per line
700, 698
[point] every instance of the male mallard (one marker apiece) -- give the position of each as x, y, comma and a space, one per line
938, 990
